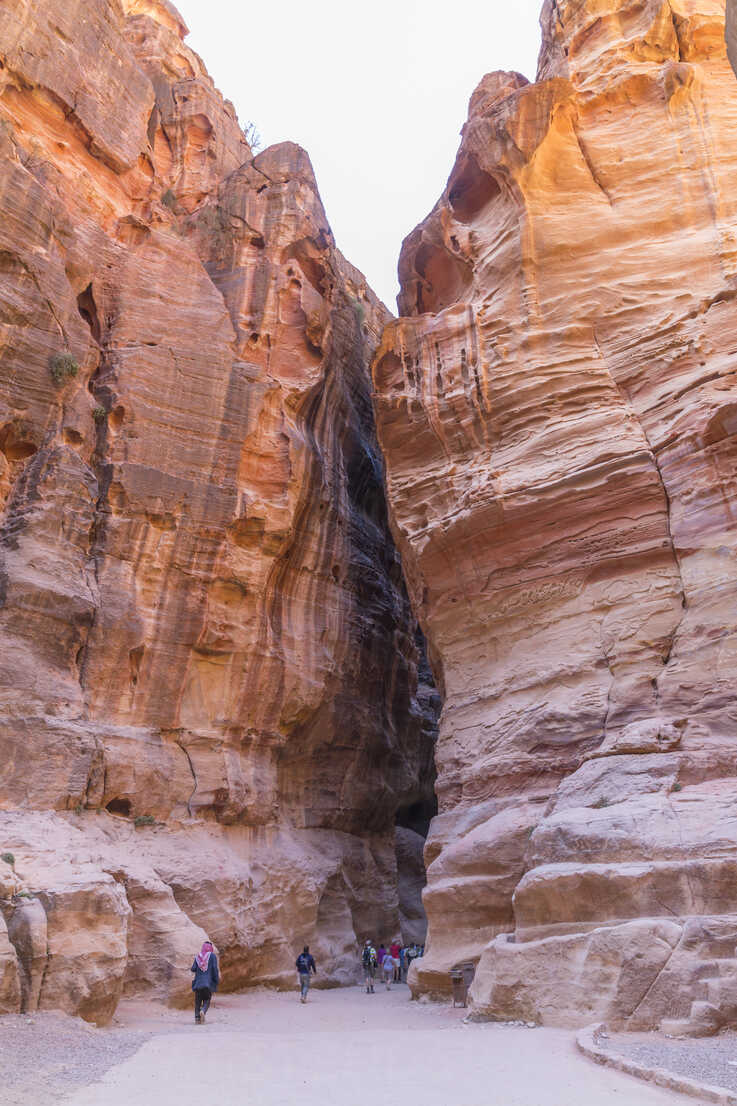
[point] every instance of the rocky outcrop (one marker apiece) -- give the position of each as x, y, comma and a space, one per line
557, 412
410, 885
209, 681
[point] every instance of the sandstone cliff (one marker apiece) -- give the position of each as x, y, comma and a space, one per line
557, 409
209, 677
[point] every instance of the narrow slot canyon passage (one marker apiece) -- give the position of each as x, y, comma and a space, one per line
322, 626
217, 715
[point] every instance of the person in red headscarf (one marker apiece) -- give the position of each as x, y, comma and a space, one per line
205, 981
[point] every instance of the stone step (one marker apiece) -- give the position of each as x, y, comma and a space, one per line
722, 993
704, 1020
723, 963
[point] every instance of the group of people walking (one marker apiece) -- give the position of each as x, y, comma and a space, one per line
391, 963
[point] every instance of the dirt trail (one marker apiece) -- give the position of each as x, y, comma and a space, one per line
350, 1049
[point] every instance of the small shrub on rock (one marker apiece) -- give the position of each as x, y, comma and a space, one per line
99, 414
252, 137
8, 858
169, 200
63, 366
144, 820
600, 803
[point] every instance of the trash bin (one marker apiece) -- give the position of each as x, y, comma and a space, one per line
458, 983
461, 978
469, 971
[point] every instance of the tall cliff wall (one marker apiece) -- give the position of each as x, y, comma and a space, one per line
209, 700
557, 408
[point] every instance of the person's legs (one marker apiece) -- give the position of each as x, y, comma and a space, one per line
202, 998
304, 981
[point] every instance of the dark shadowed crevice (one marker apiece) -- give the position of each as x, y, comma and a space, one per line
470, 190
417, 816
88, 310
119, 806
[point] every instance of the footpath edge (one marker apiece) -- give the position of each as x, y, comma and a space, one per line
588, 1043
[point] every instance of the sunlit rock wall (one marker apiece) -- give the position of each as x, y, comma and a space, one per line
557, 408
209, 708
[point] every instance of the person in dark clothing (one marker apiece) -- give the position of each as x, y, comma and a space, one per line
205, 981
368, 959
305, 964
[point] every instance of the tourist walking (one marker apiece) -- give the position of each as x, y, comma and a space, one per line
368, 959
395, 950
205, 981
305, 964
380, 954
387, 965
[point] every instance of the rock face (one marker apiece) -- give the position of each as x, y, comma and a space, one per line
557, 408
209, 678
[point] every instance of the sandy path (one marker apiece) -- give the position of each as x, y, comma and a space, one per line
346, 1048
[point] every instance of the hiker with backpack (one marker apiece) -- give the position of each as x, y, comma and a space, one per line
369, 961
305, 964
205, 980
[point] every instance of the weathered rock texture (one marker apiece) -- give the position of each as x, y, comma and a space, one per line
557, 411
204, 619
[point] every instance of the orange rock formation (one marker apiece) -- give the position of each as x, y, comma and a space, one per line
209, 675
557, 409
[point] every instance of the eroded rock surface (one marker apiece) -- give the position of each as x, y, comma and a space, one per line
557, 409
209, 676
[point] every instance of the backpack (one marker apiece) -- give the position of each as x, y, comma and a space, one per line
369, 957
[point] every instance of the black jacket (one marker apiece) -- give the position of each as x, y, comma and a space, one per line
209, 978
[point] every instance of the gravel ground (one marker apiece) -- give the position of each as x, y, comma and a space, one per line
43, 1057
707, 1059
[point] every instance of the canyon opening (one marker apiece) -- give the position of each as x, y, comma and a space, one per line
323, 626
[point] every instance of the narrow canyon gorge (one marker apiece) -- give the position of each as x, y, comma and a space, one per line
215, 700
286, 582
557, 409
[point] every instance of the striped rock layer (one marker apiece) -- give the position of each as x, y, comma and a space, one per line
557, 407
209, 708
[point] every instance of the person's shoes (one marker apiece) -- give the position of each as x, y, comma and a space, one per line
197, 1021
202, 1019
302, 998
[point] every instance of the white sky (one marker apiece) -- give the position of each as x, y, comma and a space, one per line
376, 92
